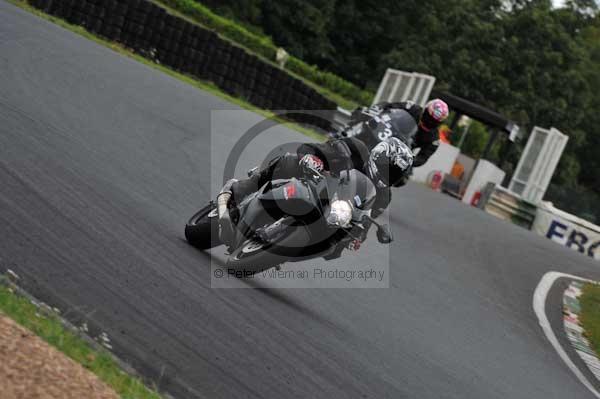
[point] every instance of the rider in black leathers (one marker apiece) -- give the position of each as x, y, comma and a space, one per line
384, 165
428, 119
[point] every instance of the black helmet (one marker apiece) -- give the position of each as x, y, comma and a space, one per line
388, 162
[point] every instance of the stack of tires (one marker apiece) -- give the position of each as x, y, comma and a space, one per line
169, 44
114, 20
141, 27
150, 31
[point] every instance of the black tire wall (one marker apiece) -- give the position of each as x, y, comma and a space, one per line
188, 48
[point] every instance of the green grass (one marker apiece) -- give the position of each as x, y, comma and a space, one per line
590, 314
340, 91
50, 329
193, 81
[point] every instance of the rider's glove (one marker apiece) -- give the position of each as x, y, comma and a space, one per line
354, 245
311, 165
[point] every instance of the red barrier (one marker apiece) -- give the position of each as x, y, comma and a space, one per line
436, 180
475, 199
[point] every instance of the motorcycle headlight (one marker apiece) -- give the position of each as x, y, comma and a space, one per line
340, 214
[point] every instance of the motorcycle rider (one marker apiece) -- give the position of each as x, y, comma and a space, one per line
428, 120
385, 165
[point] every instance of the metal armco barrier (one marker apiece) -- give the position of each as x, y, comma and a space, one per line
191, 49
505, 205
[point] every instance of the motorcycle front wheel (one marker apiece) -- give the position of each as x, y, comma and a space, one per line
253, 257
202, 230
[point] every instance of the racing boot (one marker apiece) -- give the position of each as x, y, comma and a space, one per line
226, 229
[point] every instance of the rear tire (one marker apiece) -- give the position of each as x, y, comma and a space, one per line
202, 230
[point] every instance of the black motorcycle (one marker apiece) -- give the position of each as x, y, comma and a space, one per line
376, 128
291, 220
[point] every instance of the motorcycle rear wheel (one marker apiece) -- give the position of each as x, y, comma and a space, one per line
202, 230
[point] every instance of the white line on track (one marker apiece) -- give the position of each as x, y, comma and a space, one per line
539, 307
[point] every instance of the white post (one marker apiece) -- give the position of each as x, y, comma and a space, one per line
541, 163
382, 86
411, 82
397, 91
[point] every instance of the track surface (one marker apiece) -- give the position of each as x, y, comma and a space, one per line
102, 160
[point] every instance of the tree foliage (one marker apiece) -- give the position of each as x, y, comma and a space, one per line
534, 63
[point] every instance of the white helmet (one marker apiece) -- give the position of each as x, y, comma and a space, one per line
388, 162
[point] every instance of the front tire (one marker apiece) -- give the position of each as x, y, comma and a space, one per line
202, 230
253, 257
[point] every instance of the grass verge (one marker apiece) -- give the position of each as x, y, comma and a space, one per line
335, 88
200, 84
590, 314
50, 329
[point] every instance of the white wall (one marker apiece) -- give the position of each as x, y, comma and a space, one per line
442, 160
568, 230
484, 173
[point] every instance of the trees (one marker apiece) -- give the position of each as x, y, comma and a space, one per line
536, 64
589, 152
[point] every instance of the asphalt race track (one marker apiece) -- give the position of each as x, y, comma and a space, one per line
103, 159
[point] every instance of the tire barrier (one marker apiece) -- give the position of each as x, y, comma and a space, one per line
150, 31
